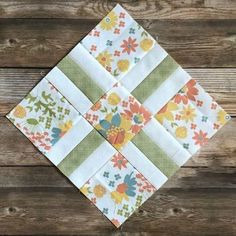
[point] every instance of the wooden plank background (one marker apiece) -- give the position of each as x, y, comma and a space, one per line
35, 199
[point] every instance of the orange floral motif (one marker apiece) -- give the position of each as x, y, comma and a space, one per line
129, 45
96, 106
188, 92
139, 115
200, 138
119, 161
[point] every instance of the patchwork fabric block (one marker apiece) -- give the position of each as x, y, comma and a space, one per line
118, 189
44, 116
118, 116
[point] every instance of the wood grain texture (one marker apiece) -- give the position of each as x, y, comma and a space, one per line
42, 43
168, 212
36, 199
96, 9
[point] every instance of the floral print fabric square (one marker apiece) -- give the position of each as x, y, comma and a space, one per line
118, 42
44, 116
118, 189
192, 116
118, 116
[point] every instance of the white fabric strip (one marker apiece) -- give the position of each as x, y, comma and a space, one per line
159, 135
69, 141
143, 165
143, 68
92, 67
67, 88
92, 164
167, 90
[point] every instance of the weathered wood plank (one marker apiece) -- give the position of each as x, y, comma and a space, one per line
185, 178
43, 42
152, 9
16, 149
16, 83
169, 212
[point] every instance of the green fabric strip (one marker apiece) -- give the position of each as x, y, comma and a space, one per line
155, 79
80, 153
75, 73
155, 154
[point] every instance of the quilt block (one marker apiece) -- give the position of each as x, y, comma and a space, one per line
118, 116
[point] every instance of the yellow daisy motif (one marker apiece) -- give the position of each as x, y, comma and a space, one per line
222, 117
105, 58
109, 22
181, 132
123, 65
19, 112
99, 191
166, 112
188, 114
113, 99
146, 44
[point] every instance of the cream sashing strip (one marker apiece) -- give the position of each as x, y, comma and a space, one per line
167, 90
72, 93
93, 69
69, 141
161, 137
144, 67
143, 165
101, 155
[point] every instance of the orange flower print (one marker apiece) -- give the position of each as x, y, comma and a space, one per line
119, 161
139, 115
188, 92
96, 106
129, 45
200, 138
115, 222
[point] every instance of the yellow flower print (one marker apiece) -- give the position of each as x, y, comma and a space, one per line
181, 132
118, 197
146, 44
188, 114
166, 112
222, 117
113, 99
85, 190
123, 65
19, 112
99, 191
66, 126
109, 22
105, 58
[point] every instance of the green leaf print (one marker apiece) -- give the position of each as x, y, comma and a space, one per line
32, 121
46, 97
45, 108
30, 98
